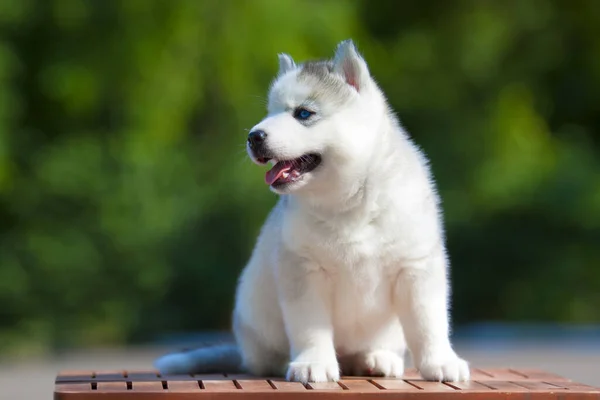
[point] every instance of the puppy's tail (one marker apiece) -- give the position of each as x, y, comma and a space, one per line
223, 358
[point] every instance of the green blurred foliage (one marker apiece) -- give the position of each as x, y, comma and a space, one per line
128, 207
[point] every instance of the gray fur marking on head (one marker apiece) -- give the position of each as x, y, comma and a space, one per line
328, 86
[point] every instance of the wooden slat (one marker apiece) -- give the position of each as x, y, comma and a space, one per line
183, 386
285, 386
254, 385
504, 386
558, 384
539, 374
478, 374
324, 386
112, 386
394, 384
539, 386
74, 387
432, 386
359, 385
574, 386
505, 374
147, 386
469, 386
219, 385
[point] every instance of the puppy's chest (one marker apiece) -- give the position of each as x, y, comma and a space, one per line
348, 248
359, 260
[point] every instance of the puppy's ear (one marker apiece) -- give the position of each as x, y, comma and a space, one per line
350, 65
286, 63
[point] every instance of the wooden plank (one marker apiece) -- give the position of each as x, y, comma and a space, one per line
505, 374
575, 387
324, 386
285, 386
432, 386
254, 385
539, 386
219, 385
469, 386
147, 387
112, 386
504, 386
360, 385
479, 374
394, 384
74, 387
538, 374
183, 386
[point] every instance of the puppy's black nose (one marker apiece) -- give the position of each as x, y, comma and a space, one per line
256, 138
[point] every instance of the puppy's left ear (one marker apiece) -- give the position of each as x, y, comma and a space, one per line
286, 63
350, 65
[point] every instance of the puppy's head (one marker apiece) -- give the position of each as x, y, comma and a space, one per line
317, 120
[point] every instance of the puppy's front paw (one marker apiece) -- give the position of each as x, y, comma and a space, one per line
313, 371
379, 363
444, 369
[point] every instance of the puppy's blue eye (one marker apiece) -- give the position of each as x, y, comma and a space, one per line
302, 114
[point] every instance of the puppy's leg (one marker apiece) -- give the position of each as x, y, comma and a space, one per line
377, 362
307, 316
258, 356
422, 295
384, 355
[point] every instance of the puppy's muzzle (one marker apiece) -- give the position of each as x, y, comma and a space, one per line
257, 143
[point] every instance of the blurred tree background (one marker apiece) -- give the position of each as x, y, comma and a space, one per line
128, 206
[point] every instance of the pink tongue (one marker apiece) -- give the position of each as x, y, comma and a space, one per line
278, 169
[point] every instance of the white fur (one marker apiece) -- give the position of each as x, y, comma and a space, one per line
353, 252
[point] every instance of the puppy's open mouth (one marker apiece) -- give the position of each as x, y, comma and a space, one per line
287, 171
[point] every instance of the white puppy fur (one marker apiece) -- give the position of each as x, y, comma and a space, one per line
351, 262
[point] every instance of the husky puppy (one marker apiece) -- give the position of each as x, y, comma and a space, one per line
351, 263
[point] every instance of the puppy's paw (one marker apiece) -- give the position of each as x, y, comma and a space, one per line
313, 371
379, 363
445, 369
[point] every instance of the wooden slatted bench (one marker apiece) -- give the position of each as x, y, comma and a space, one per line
495, 383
